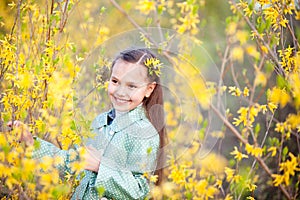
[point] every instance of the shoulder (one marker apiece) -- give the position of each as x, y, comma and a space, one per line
142, 129
100, 120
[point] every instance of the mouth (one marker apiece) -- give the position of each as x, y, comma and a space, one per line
119, 100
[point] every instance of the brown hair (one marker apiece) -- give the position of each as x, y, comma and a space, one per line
154, 101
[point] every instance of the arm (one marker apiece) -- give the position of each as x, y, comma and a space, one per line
45, 149
65, 158
129, 182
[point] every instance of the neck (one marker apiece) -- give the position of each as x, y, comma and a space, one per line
119, 113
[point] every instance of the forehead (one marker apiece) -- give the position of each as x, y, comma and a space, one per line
129, 71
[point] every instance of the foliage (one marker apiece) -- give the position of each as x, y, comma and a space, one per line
257, 151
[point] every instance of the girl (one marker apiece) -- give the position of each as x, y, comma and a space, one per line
129, 138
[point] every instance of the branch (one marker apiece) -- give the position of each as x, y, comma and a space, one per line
49, 20
16, 18
244, 141
274, 58
130, 19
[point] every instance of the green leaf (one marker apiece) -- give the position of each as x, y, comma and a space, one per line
281, 83
102, 10
284, 153
100, 191
149, 150
73, 125
149, 21
256, 130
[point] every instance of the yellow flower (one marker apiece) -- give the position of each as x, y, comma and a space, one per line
246, 92
272, 107
234, 91
263, 108
146, 6
273, 150
242, 36
219, 183
201, 186
279, 127
278, 179
254, 151
278, 96
237, 54
251, 50
247, 116
231, 28
177, 175
238, 155
289, 167
154, 65
153, 178
228, 197
292, 121
264, 49
229, 174
251, 187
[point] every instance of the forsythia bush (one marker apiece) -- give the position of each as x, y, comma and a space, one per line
256, 154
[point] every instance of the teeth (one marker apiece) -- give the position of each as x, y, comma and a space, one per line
121, 100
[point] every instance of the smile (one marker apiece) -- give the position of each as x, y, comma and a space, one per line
121, 100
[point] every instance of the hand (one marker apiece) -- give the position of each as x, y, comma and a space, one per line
25, 134
92, 158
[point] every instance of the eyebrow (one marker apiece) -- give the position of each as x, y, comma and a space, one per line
114, 77
134, 83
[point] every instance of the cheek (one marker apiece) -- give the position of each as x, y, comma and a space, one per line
138, 94
110, 89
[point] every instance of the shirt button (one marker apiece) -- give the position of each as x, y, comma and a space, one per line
111, 132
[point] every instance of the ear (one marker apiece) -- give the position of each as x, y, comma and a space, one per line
150, 88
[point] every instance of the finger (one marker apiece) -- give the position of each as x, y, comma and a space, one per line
91, 147
14, 123
9, 124
17, 123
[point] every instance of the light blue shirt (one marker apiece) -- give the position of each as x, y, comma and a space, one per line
130, 145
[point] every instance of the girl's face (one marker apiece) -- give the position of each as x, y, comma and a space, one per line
128, 85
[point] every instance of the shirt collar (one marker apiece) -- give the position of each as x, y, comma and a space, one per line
122, 121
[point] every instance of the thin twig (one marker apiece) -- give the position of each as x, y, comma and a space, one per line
224, 61
16, 18
244, 141
165, 53
292, 32
49, 20
63, 21
278, 67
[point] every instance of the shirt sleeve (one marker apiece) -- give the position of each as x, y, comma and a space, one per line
129, 182
64, 160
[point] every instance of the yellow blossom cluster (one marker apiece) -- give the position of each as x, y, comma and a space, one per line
278, 96
288, 60
146, 6
185, 178
235, 91
254, 151
189, 21
288, 168
36, 76
238, 155
39, 67
247, 115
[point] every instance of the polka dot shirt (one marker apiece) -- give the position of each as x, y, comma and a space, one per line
129, 144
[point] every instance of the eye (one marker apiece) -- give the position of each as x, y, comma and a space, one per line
132, 86
115, 81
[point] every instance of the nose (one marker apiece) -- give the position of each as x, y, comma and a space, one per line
120, 91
